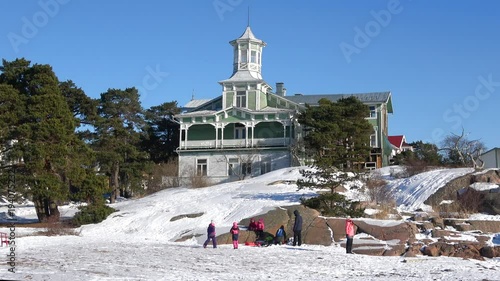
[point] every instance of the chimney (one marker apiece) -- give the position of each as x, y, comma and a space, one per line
280, 89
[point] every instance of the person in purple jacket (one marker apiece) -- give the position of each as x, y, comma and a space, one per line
211, 235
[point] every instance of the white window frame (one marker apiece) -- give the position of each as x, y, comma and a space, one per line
374, 138
241, 99
265, 166
373, 113
232, 166
246, 168
244, 56
253, 56
239, 131
201, 168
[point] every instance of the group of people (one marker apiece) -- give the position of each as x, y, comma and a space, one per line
280, 236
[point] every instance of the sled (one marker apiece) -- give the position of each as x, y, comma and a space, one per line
258, 243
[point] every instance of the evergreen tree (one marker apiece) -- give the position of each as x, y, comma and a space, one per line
162, 132
83, 107
40, 134
116, 140
337, 135
425, 153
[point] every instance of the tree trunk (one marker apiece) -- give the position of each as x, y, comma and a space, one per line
114, 182
46, 210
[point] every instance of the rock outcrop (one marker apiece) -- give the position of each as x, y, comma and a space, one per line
432, 236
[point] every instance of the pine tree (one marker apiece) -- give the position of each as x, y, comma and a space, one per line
40, 134
161, 136
337, 137
117, 138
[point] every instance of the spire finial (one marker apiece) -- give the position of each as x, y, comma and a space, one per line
248, 20
192, 95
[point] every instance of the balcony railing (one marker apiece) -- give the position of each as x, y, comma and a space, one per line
234, 143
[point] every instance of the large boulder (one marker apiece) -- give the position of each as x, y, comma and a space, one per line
486, 226
490, 251
490, 176
462, 250
314, 229
384, 237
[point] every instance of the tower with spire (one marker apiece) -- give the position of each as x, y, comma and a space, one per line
245, 86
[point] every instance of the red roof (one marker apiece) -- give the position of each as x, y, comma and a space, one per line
397, 141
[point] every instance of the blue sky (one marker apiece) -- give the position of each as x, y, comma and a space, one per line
440, 59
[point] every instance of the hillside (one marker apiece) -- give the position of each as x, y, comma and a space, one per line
137, 241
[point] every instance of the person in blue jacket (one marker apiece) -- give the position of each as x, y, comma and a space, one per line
280, 237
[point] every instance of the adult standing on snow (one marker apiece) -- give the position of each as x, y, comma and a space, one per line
349, 233
297, 229
211, 235
235, 230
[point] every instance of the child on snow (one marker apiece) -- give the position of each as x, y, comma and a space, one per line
253, 225
280, 237
260, 229
235, 231
211, 235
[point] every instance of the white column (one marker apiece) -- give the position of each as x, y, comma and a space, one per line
246, 134
222, 136
284, 133
180, 138
216, 135
253, 133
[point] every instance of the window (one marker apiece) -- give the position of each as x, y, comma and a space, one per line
265, 166
243, 56
239, 131
241, 99
373, 137
253, 56
246, 168
232, 166
373, 140
373, 111
201, 167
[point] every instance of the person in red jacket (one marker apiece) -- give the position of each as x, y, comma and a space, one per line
260, 229
253, 225
235, 231
349, 232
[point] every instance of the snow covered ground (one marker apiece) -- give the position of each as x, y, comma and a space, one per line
138, 241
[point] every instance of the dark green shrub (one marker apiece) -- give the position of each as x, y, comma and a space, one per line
334, 204
93, 213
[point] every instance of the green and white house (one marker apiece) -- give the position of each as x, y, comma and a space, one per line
250, 130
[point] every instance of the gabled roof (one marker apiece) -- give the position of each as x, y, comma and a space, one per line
397, 141
196, 103
491, 150
368, 98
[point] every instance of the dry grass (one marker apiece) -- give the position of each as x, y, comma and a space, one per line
200, 181
378, 191
59, 228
